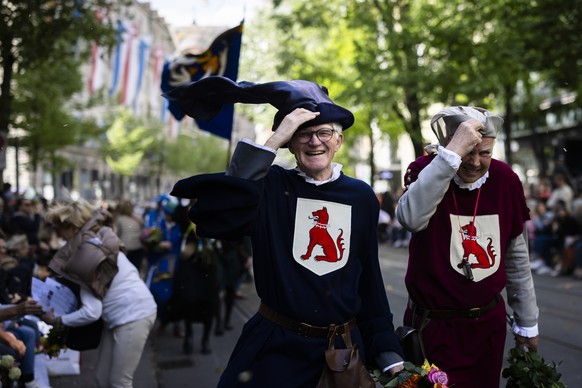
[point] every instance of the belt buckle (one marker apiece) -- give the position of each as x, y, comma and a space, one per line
303, 329
475, 313
332, 330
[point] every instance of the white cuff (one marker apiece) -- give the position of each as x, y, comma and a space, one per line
452, 158
392, 366
528, 332
252, 143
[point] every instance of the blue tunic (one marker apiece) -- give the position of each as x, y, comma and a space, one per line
338, 279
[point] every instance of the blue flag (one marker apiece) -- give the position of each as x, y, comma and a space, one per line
221, 59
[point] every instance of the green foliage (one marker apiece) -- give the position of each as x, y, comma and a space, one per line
258, 62
195, 154
529, 369
37, 40
41, 102
127, 141
394, 60
43, 29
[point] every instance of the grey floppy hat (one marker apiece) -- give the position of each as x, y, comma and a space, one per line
445, 123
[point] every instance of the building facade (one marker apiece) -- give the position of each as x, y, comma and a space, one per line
128, 76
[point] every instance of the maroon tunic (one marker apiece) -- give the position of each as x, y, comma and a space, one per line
479, 232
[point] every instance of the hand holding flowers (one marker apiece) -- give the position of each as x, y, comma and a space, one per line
412, 376
54, 341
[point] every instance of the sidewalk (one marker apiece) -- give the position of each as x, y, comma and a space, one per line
165, 365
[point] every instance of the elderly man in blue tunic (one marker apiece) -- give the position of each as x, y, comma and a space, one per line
313, 229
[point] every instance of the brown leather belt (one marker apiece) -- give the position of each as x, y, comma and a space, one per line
304, 329
473, 313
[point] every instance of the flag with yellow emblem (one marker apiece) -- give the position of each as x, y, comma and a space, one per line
221, 58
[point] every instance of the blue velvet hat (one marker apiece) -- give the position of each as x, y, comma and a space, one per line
204, 99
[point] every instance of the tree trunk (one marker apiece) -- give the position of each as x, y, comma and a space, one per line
5, 95
507, 122
372, 158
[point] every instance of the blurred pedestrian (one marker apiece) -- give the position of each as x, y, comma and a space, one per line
195, 295
20, 276
561, 192
233, 256
129, 228
26, 220
164, 254
543, 244
566, 233
110, 288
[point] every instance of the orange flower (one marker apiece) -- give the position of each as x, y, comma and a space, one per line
412, 382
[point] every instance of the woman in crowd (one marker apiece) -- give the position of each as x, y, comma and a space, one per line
129, 227
110, 288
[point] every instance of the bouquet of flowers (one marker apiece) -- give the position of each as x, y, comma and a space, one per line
9, 371
412, 376
54, 341
529, 369
151, 238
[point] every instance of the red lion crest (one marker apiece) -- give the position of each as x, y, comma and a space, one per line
472, 247
318, 235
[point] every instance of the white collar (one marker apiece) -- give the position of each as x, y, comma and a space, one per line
471, 186
336, 170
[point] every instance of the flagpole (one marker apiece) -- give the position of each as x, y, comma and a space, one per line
232, 132
228, 154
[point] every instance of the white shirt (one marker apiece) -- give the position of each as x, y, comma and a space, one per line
127, 300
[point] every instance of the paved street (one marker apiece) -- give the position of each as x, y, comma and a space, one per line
164, 365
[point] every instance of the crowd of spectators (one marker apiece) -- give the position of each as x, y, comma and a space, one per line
27, 245
389, 229
555, 229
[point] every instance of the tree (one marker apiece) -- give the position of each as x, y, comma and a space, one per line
127, 141
195, 154
399, 58
373, 53
33, 33
44, 110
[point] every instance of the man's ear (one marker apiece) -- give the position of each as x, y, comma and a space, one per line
340, 141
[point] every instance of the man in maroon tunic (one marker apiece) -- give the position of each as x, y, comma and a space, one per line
467, 213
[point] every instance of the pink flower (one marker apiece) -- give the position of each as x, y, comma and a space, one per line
437, 377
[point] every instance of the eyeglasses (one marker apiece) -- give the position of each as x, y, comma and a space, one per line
323, 134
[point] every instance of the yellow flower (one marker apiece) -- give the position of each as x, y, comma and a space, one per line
426, 366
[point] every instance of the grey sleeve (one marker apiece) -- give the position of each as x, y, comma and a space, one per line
521, 295
417, 205
250, 162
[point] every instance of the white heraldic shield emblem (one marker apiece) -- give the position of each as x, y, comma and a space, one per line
321, 242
